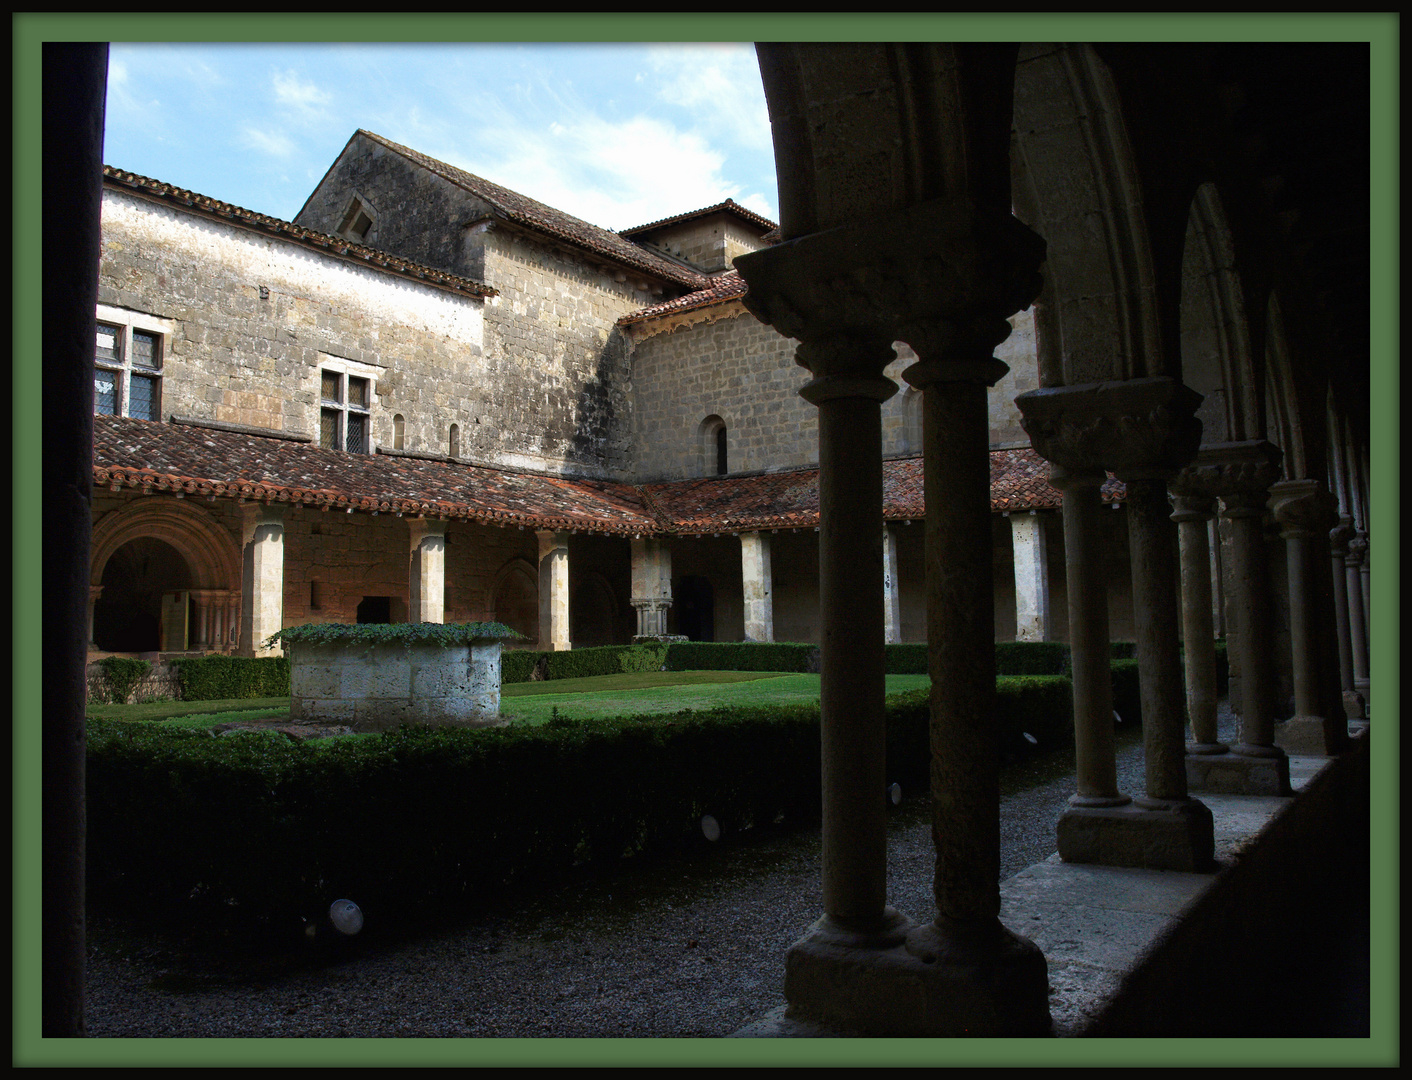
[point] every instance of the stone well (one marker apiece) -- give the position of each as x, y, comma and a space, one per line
377, 686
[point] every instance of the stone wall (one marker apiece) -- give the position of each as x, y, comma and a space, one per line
728, 364
235, 356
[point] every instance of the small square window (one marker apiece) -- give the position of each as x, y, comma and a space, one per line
345, 421
127, 362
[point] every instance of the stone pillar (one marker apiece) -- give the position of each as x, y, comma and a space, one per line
427, 571
846, 294
1305, 511
1095, 749
651, 586
201, 628
1357, 617
553, 590
1193, 514
1143, 430
758, 586
1338, 551
892, 601
262, 585
95, 593
1242, 474
1031, 577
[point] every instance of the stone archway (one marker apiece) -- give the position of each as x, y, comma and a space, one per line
514, 598
164, 546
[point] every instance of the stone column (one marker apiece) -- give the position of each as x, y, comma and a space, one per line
758, 586
95, 593
427, 570
553, 590
262, 585
1242, 474
1031, 577
1357, 617
1193, 513
651, 586
201, 626
1305, 511
1338, 551
1143, 430
846, 294
892, 601
1095, 748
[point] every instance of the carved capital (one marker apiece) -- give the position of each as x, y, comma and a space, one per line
940, 272
1340, 535
1193, 507
1239, 473
1303, 508
1139, 429
1357, 548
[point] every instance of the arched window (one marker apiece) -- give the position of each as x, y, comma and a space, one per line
713, 437
399, 427
455, 440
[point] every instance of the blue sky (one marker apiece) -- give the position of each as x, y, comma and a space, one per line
616, 134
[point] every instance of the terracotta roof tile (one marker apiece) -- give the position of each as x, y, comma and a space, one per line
201, 461
536, 215
727, 286
730, 205
225, 464
380, 260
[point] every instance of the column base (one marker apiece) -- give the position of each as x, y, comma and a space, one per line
1174, 834
1354, 707
1237, 773
911, 980
1202, 748
1302, 736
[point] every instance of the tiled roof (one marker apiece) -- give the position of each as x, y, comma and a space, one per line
379, 260
730, 205
536, 215
728, 286
199, 461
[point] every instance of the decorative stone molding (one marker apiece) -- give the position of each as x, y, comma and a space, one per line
1137, 429
1357, 548
1303, 508
940, 273
1240, 474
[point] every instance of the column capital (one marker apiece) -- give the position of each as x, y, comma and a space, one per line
420, 528
1137, 429
1357, 548
1239, 473
1340, 535
1193, 507
939, 275
1303, 508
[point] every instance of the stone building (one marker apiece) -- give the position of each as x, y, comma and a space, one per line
431, 398
1189, 225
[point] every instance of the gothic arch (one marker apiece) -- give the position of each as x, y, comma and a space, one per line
514, 597
210, 553
1074, 182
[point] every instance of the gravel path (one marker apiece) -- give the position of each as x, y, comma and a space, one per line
686, 947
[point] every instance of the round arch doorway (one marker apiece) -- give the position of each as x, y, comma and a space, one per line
146, 604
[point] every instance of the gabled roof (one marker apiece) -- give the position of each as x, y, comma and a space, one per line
534, 215
297, 234
205, 462
727, 286
763, 225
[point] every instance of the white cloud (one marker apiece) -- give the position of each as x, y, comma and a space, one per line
274, 143
291, 92
720, 86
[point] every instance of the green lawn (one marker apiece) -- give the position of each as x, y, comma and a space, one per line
534, 702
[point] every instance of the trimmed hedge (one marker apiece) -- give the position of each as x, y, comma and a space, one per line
742, 656
519, 665
123, 673
216, 677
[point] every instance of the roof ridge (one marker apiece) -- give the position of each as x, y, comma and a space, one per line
383, 260
539, 216
729, 204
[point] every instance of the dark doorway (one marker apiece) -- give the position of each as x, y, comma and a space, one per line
128, 615
375, 609
695, 606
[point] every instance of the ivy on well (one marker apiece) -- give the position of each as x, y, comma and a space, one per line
445, 634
